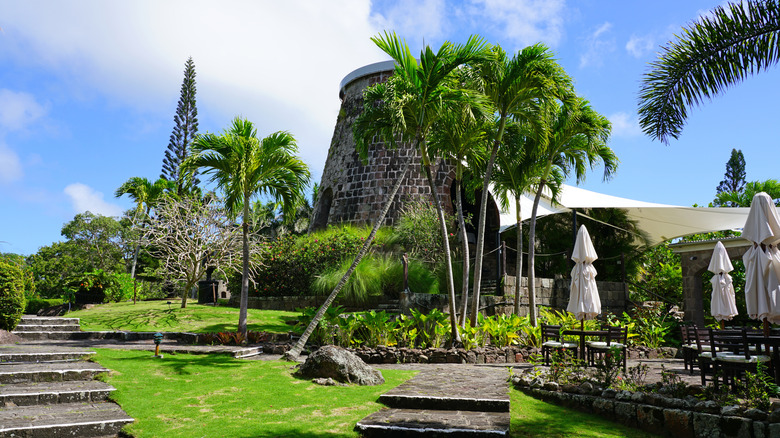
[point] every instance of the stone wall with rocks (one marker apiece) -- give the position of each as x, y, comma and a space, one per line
658, 413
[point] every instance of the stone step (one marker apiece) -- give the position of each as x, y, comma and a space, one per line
187, 338
45, 393
49, 372
63, 420
46, 328
31, 354
467, 388
43, 320
433, 423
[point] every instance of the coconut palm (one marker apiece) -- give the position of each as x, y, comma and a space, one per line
461, 135
245, 167
145, 194
404, 108
721, 49
574, 140
515, 87
517, 172
745, 197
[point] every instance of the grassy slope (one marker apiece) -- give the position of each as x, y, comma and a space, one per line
218, 396
153, 316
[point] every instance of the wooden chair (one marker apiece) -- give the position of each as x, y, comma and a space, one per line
704, 349
616, 337
552, 341
732, 356
690, 349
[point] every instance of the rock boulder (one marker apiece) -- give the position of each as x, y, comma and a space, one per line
340, 365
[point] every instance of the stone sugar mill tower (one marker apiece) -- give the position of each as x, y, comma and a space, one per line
354, 192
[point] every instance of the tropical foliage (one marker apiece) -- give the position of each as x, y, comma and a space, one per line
718, 50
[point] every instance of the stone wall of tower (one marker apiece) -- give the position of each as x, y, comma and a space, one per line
352, 191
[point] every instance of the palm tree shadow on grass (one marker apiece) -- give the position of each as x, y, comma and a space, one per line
180, 364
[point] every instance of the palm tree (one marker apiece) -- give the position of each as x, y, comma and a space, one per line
745, 197
517, 172
719, 50
515, 87
574, 139
145, 194
403, 109
461, 135
245, 167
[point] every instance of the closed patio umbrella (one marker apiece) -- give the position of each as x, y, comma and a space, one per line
762, 260
723, 306
584, 300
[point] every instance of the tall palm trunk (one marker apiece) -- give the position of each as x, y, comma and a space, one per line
455, 337
244, 270
465, 243
519, 274
532, 255
295, 351
482, 217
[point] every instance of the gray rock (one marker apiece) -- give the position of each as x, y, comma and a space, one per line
623, 395
756, 414
552, 386
731, 410
706, 425
708, 406
340, 365
586, 388
609, 393
324, 381
774, 417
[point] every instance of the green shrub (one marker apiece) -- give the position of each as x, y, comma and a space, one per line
367, 281
34, 305
291, 263
419, 234
11, 295
421, 279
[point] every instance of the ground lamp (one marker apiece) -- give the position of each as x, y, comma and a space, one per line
158, 337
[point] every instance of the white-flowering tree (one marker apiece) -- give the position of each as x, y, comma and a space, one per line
189, 236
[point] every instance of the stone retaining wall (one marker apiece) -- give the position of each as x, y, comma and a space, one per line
656, 413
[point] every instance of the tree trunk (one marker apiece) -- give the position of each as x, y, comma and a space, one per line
244, 270
132, 268
465, 242
455, 337
481, 225
519, 272
531, 257
295, 351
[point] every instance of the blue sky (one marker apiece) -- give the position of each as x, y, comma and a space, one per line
88, 89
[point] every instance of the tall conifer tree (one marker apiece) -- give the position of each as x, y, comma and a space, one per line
734, 179
184, 132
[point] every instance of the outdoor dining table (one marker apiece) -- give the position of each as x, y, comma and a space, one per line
582, 334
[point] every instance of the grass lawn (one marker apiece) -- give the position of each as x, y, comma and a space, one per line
218, 396
153, 316
535, 418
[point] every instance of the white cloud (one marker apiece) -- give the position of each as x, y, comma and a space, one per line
276, 63
10, 165
625, 125
525, 22
597, 45
84, 198
417, 21
639, 46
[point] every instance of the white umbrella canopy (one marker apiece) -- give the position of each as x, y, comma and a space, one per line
762, 260
584, 301
724, 306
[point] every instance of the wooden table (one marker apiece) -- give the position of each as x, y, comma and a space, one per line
582, 334
773, 342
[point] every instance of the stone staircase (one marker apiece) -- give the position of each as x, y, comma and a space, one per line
50, 391
447, 401
36, 328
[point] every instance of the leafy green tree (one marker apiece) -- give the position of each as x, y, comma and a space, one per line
185, 130
515, 87
721, 49
145, 194
734, 179
52, 265
28, 279
244, 167
745, 197
575, 139
98, 241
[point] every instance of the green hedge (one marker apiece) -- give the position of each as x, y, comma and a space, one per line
11, 295
34, 305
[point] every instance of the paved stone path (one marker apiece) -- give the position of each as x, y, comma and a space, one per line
446, 400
